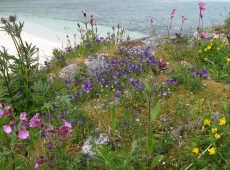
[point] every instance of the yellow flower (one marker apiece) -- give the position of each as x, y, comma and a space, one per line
205, 59
209, 47
224, 41
211, 44
212, 151
214, 130
200, 51
217, 136
203, 128
223, 121
195, 150
228, 59
207, 122
218, 48
205, 49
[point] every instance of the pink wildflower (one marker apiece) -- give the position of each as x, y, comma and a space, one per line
23, 116
7, 128
202, 9
201, 4
35, 121
204, 33
8, 112
36, 166
152, 20
23, 134
184, 18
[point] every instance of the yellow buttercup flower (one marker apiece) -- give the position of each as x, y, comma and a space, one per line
200, 51
218, 48
222, 121
205, 49
214, 130
228, 59
224, 41
212, 151
195, 150
209, 47
217, 136
205, 59
207, 122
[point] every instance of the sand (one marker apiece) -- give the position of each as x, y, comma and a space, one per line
45, 46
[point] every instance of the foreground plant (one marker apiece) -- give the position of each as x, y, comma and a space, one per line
21, 129
17, 71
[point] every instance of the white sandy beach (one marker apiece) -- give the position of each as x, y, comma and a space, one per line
44, 39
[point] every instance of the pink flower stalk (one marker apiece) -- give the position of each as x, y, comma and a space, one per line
204, 33
23, 134
23, 116
152, 20
1, 113
7, 128
201, 4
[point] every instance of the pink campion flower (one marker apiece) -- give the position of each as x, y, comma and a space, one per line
36, 166
1, 113
65, 130
95, 23
35, 121
42, 160
173, 14
152, 20
184, 18
23, 116
8, 112
201, 4
7, 128
67, 124
202, 9
23, 134
204, 33
82, 31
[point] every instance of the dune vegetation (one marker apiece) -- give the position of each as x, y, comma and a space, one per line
161, 107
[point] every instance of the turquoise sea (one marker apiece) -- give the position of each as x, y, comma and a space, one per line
54, 19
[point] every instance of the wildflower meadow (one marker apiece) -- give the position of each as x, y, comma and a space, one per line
114, 103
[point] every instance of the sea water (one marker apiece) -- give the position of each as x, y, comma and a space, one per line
55, 19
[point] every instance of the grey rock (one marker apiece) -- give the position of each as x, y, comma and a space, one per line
68, 72
97, 138
97, 63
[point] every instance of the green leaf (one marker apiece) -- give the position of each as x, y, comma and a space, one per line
156, 161
5, 153
149, 90
155, 112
